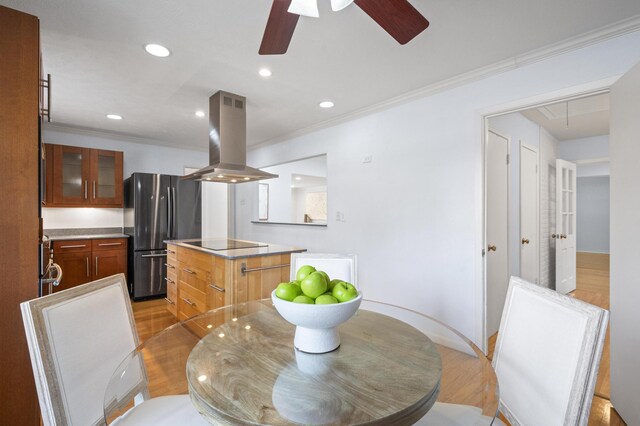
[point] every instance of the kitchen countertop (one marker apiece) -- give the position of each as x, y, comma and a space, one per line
267, 250
83, 233
85, 237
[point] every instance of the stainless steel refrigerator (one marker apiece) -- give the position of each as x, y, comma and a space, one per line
157, 208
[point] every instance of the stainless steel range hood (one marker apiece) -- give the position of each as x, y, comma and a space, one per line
228, 143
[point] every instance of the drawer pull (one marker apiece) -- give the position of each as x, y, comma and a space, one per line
109, 244
188, 302
171, 251
188, 271
215, 287
74, 246
96, 266
170, 280
168, 265
154, 255
169, 301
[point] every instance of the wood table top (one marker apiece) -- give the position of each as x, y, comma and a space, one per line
247, 372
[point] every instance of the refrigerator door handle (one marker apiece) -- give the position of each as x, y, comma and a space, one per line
169, 213
174, 214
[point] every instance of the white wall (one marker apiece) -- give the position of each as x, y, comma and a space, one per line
592, 214
414, 214
592, 219
625, 250
596, 147
548, 155
138, 157
518, 129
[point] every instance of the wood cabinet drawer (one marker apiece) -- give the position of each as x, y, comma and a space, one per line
172, 254
171, 279
215, 296
71, 246
191, 302
109, 244
172, 267
195, 277
172, 298
196, 258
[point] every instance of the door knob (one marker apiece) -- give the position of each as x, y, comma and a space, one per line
554, 236
525, 241
491, 247
563, 236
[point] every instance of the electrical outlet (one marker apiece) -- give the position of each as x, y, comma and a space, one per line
243, 201
367, 158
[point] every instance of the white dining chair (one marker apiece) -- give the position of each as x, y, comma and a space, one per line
546, 360
77, 338
337, 266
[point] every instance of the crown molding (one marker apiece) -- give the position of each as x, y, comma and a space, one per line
614, 30
118, 136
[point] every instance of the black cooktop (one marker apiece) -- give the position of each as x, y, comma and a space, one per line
222, 244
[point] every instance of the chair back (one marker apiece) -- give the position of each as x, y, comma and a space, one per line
547, 356
337, 266
77, 338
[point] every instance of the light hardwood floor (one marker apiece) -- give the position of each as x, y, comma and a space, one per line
592, 286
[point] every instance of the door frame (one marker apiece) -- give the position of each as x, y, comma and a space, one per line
484, 216
482, 117
537, 151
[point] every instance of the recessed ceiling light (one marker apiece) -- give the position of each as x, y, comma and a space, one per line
298, 178
114, 116
326, 104
246, 178
220, 176
157, 50
234, 180
265, 72
199, 113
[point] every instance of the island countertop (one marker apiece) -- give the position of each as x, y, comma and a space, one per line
265, 249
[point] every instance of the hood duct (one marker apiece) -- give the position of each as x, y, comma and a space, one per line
228, 143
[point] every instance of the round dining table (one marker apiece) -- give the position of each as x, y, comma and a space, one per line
238, 365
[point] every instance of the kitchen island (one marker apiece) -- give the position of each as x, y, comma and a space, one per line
208, 274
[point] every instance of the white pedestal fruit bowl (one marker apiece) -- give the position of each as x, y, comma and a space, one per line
316, 325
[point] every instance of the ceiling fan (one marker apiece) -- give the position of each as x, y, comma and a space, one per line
397, 17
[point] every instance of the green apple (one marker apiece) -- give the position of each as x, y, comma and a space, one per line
288, 291
326, 276
304, 271
303, 299
333, 283
295, 282
326, 299
344, 292
314, 285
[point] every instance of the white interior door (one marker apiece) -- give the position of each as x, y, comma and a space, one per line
624, 151
529, 247
565, 226
497, 251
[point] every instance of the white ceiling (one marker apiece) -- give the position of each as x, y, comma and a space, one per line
587, 117
94, 51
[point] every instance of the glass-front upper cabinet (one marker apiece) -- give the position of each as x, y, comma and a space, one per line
71, 173
83, 177
106, 177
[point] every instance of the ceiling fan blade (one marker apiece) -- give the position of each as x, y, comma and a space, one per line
279, 29
305, 8
397, 17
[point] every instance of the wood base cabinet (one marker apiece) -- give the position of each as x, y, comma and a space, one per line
198, 282
84, 260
